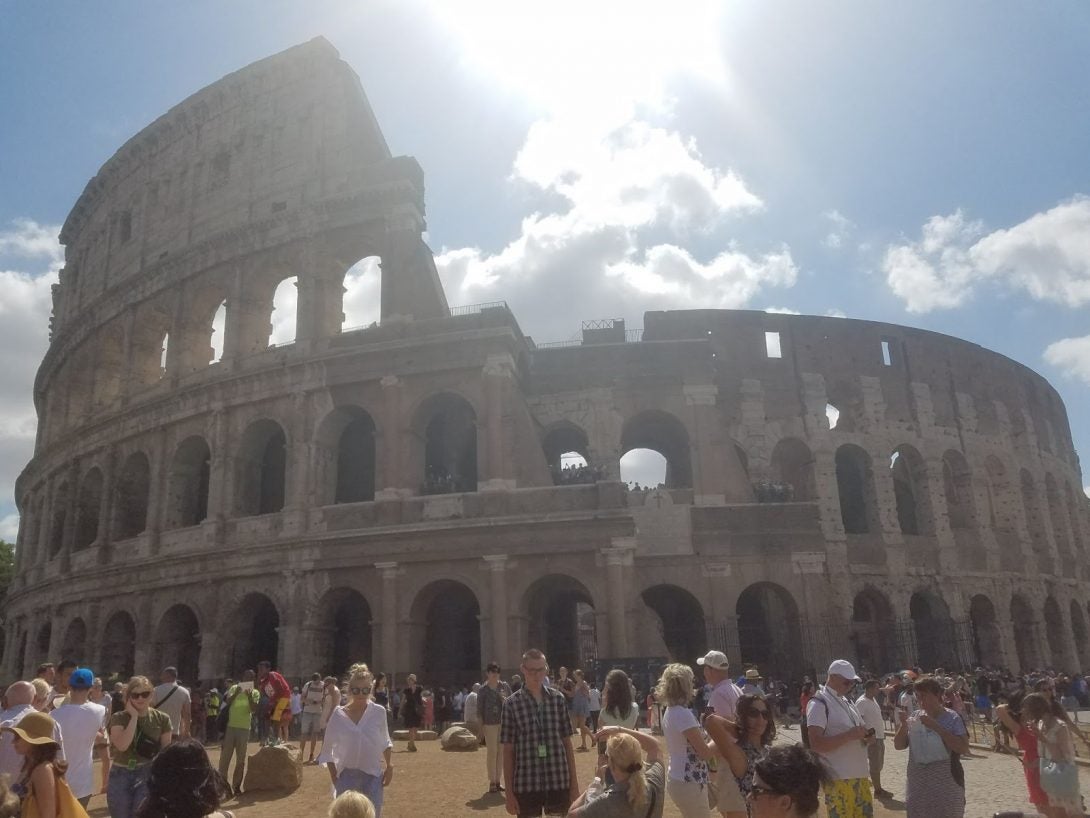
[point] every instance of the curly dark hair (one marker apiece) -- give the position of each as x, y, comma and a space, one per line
791, 769
182, 783
745, 707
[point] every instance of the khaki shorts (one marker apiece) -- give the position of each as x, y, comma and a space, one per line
728, 798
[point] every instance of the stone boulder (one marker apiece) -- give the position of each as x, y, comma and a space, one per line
273, 768
458, 738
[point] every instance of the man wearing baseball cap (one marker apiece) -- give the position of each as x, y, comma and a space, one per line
838, 733
723, 700
81, 722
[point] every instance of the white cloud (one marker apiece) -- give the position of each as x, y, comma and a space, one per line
781, 311
1071, 356
841, 227
1046, 256
1086, 490
835, 313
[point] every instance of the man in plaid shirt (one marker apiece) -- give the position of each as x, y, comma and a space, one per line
538, 755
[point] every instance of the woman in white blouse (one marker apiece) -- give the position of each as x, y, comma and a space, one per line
357, 745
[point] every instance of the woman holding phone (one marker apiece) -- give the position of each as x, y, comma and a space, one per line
137, 734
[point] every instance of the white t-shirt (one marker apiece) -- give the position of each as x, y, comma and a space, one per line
837, 715
172, 706
470, 708
80, 724
595, 699
675, 721
313, 693
872, 715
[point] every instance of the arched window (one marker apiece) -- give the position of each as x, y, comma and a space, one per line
282, 323
361, 304
219, 330
1031, 504
793, 466
190, 472
447, 426
262, 469
663, 433
345, 467
855, 486
88, 509
911, 492
61, 501
131, 496
957, 484
566, 451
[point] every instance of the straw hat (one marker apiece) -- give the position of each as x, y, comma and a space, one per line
34, 728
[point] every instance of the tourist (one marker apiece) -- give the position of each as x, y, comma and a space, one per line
688, 783
490, 699
1012, 716
871, 711
174, 700
516, 682
412, 709
82, 724
429, 709
183, 784
357, 749
331, 699
351, 804
41, 782
839, 735
42, 694
198, 715
786, 780
20, 700
241, 702
212, 704
579, 708
723, 699
458, 702
470, 715
59, 694
806, 692
936, 738
595, 706
47, 672
381, 693
443, 709
538, 756
742, 742
137, 734
311, 718
1059, 774
752, 686
618, 707
636, 774
296, 712
278, 691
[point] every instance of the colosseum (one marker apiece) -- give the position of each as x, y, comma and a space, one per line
395, 492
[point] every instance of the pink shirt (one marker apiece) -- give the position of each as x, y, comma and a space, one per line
724, 698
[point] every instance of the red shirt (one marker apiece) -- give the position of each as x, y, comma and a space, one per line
276, 686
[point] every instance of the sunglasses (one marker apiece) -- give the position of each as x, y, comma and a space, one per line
143, 694
359, 691
756, 791
762, 713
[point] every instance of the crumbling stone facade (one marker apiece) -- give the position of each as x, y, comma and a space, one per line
388, 493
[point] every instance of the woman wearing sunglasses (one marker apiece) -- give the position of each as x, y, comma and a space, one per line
357, 747
137, 734
743, 741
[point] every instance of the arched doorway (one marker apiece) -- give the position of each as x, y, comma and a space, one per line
131, 497
681, 621
447, 630
345, 464
564, 444
344, 631
253, 634
88, 509
262, 469
560, 613
178, 643
190, 470
855, 488
987, 643
793, 465
872, 633
663, 433
447, 425
1026, 636
769, 632
119, 646
934, 631
74, 644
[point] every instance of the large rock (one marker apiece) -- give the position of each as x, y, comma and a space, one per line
273, 768
458, 738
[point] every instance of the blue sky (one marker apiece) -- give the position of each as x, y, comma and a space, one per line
924, 164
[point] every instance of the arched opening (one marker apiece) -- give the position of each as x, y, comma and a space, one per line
855, 486
74, 644
447, 425
987, 643
832, 417
1077, 541
61, 501
793, 466
88, 509
361, 303
253, 634
282, 322
1057, 516
643, 469
344, 631
957, 485
262, 469
560, 613
109, 367
119, 646
934, 631
190, 472
663, 433
1031, 504
769, 632
1079, 634
149, 343
844, 406
910, 490
681, 621
1026, 637
178, 643
219, 332
131, 497
345, 467
872, 631
41, 644
1054, 633
567, 453
447, 631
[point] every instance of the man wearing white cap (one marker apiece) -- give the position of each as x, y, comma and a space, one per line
838, 733
723, 700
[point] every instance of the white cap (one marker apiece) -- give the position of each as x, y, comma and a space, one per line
714, 659
843, 668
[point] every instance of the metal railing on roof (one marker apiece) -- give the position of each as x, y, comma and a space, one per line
474, 309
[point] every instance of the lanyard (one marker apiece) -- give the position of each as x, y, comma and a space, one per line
853, 715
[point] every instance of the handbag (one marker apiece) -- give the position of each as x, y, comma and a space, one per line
1059, 779
67, 805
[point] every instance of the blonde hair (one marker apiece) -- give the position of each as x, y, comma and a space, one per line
41, 688
351, 804
676, 685
138, 681
625, 753
359, 669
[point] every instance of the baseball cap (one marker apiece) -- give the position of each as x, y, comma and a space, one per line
844, 668
714, 659
81, 678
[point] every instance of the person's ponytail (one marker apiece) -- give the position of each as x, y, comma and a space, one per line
637, 788
625, 753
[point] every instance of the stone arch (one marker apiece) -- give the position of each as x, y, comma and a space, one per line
119, 645
855, 487
74, 643
190, 474
1026, 636
872, 631
345, 457
42, 641
1031, 505
793, 464
565, 438
252, 634
957, 485
88, 509
933, 630
361, 294
1054, 634
681, 621
446, 633
151, 327
262, 462
131, 496
987, 640
110, 367
769, 630
1056, 515
1079, 634
178, 642
445, 427
60, 504
663, 433
560, 614
344, 631
195, 342
910, 489
284, 312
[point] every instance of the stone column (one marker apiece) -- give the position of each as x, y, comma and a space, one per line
499, 371
390, 452
497, 579
321, 295
106, 507
157, 491
616, 557
410, 282
219, 477
389, 659
46, 528
70, 517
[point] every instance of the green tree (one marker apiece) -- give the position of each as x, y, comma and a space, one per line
7, 566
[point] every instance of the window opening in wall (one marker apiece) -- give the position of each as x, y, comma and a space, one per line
219, 322
772, 345
832, 414
643, 469
282, 321
362, 295
887, 354
163, 355
124, 227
